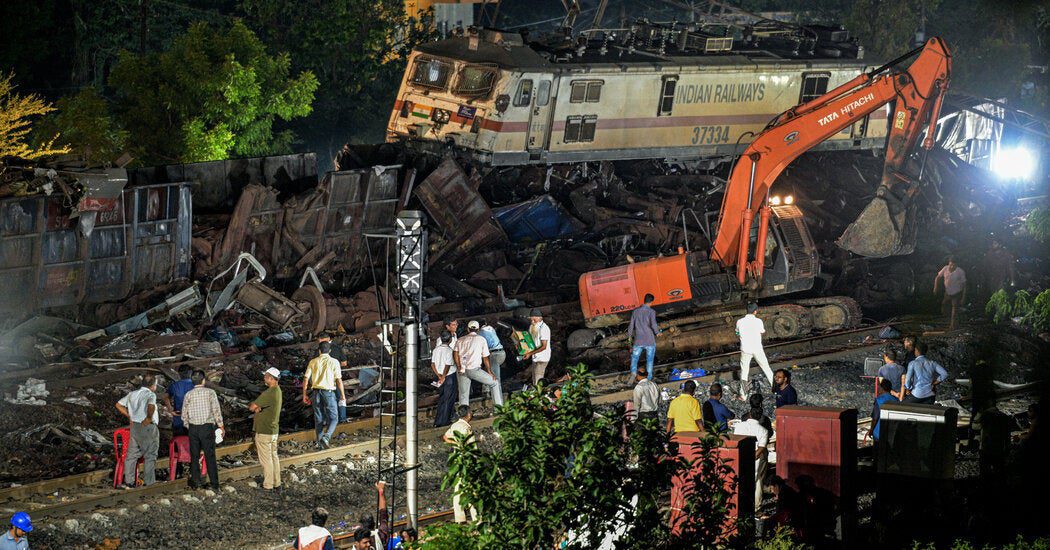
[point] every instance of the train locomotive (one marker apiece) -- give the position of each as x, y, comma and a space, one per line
681, 93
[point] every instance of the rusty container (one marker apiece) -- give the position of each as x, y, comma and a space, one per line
817, 446
739, 453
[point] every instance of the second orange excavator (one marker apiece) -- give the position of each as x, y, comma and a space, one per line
762, 247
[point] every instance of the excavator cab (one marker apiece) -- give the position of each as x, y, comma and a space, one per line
792, 262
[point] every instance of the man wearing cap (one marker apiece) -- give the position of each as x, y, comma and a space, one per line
471, 353
541, 356
267, 409
15, 537
750, 330
140, 407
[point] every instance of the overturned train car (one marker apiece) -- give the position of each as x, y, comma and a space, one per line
686, 96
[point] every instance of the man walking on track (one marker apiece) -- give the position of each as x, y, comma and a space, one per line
750, 330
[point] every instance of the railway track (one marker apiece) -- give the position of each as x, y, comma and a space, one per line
92, 490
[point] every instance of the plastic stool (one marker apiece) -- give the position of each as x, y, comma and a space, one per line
179, 453
121, 441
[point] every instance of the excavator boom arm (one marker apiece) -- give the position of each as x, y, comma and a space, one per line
917, 91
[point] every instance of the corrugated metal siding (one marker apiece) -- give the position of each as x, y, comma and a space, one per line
46, 262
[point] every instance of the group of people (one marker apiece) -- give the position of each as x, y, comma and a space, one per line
196, 415
366, 535
478, 356
908, 377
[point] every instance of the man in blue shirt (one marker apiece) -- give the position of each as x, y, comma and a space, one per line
642, 331
173, 397
715, 412
923, 377
876, 410
497, 355
15, 536
782, 388
892, 371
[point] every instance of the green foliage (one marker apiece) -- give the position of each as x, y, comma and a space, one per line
1000, 306
1039, 315
558, 469
887, 29
84, 122
1034, 313
447, 536
213, 94
357, 49
1041, 543
1038, 224
781, 540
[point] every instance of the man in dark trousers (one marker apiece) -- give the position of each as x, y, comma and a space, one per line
202, 415
441, 361
881, 399
923, 377
785, 392
642, 331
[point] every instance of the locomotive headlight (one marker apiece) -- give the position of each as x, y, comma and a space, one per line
775, 200
441, 116
789, 199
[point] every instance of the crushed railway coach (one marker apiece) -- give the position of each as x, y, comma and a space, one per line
508, 102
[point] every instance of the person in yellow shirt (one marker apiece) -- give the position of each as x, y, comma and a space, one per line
323, 375
684, 413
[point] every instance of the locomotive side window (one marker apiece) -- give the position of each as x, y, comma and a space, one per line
586, 91
587, 127
475, 81
543, 94
667, 95
431, 73
814, 85
524, 96
580, 128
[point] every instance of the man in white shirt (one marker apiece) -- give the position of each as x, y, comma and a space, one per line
541, 356
444, 366
470, 353
954, 289
750, 330
461, 427
754, 428
140, 407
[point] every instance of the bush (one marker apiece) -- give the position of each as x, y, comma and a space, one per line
1000, 306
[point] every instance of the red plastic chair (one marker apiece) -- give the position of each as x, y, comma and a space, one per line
121, 441
179, 452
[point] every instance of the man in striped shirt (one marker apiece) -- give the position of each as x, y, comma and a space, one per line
202, 415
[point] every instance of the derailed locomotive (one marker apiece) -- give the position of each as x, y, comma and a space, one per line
649, 92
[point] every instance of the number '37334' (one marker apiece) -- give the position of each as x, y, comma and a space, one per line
705, 135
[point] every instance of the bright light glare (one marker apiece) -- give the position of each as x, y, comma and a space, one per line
790, 199
1016, 163
775, 200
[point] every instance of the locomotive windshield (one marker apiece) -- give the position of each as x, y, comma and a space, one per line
431, 73
475, 81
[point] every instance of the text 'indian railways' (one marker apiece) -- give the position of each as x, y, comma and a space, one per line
720, 93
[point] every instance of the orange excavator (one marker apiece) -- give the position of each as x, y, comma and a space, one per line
745, 264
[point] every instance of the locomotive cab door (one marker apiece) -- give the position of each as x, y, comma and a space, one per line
540, 109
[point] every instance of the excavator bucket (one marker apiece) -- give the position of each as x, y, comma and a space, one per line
878, 233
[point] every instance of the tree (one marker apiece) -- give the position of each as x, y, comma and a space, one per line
357, 49
16, 115
86, 127
211, 95
560, 468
